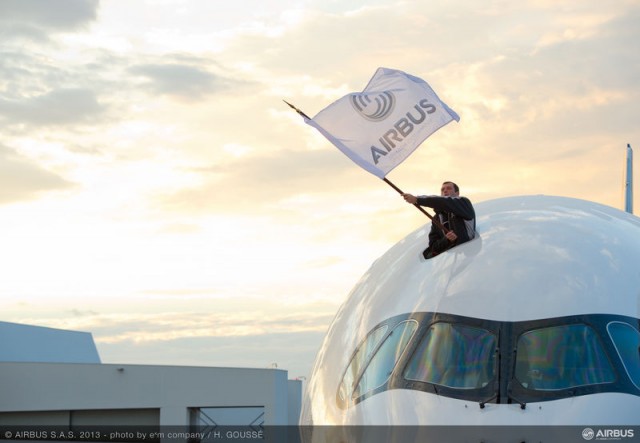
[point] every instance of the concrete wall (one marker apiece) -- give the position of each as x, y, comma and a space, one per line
173, 390
294, 401
26, 343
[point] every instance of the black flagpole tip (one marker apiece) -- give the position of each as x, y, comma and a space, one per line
297, 110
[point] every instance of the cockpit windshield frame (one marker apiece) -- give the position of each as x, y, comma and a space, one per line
483, 361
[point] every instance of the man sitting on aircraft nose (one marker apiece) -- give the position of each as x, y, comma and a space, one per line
455, 214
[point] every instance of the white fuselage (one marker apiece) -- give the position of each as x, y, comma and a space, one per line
541, 264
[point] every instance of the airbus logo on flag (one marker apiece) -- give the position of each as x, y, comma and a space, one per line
380, 126
374, 107
401, 129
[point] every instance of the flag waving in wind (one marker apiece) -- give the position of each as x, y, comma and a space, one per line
381, 126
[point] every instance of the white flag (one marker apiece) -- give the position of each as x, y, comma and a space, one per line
381, 126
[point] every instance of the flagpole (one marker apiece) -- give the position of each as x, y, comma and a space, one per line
436, 221
420, 208
385, 179
297, 110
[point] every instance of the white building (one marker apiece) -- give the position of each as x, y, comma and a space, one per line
52, 377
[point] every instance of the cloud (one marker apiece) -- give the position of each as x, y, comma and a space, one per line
294, 352
251, 336
56, 15
181, 80
22, 180
545, 93
259, 181
32, 20
532, 83
246, 337
244, 320
57, 107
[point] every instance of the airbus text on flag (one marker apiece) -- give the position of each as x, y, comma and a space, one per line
381, 126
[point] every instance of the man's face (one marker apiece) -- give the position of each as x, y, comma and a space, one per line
447, 190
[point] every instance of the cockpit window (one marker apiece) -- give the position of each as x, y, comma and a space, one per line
488, 361
385, 359
360, 358
561, 357
627, 342
454, 355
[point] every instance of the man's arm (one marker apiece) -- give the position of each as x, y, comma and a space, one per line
460, 206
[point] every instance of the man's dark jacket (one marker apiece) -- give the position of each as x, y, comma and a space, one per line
455, 213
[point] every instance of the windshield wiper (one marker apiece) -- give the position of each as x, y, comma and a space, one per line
522, 404
496, 385
484, 402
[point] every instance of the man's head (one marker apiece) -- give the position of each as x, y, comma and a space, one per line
449, 189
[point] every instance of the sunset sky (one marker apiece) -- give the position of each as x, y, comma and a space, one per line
157, 192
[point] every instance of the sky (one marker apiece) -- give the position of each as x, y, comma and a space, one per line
156, 191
